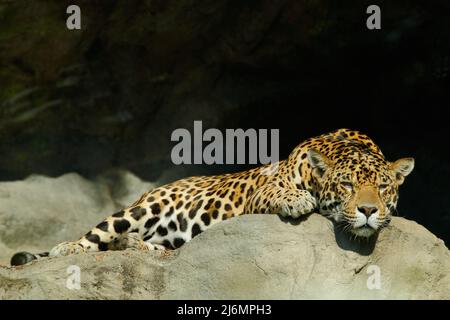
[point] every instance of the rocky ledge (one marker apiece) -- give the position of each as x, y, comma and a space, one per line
248, 257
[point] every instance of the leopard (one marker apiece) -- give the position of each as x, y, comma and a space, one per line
342, 175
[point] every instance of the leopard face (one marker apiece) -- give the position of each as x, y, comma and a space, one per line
358, 188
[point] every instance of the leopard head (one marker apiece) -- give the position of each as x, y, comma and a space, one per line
358, 188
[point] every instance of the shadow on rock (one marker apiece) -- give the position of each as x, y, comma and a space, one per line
347, 241
294, 221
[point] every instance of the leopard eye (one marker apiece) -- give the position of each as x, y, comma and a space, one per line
347, 185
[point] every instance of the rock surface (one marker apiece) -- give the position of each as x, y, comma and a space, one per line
249, 257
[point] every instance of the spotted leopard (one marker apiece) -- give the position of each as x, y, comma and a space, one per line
342, 175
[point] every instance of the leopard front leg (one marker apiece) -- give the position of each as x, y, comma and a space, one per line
286, 201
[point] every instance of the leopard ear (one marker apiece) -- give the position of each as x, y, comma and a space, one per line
402, 168
319, 162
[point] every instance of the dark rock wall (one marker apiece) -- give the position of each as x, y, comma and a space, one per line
111, 94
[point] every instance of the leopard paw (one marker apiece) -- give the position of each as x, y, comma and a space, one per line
66, 248
153, 246
297, 203
134, 241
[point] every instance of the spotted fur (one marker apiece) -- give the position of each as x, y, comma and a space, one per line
343, 175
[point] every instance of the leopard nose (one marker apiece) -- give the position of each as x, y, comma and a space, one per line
367, 211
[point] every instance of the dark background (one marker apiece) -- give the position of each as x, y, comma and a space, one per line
110, 95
